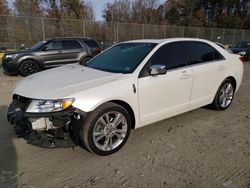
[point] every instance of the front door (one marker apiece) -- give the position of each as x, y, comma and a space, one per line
50, 55
166, 95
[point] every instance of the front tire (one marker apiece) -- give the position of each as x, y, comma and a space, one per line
106, 129
28, 67
224, 95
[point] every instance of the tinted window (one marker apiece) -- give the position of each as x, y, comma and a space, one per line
71, 44
245, 45
217, 55
54, 45
172, 55
91, 43
242, 45
38, 45
202, 52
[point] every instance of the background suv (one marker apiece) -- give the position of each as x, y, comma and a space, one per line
50, 53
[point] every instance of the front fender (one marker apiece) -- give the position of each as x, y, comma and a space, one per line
28, 57
91, 105
122, 90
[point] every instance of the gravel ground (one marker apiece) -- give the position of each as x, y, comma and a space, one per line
201, 148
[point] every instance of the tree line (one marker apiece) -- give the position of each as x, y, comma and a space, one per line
201, 13
61, 9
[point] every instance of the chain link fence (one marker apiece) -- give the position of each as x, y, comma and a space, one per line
16, 30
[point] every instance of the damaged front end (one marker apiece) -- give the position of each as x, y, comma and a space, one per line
48, 129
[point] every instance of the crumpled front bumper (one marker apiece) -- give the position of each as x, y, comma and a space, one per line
63, 132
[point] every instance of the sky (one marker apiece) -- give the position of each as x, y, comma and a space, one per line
98, 6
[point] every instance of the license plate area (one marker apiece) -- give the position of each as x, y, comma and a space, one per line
40, 123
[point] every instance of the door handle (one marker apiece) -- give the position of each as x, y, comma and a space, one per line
221, 67
185, 76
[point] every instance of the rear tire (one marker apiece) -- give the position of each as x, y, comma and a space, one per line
224, 96
28, 67
106, 129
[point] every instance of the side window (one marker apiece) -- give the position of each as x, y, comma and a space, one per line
71, 44
171, 55
91, 43
244, 45
54, 45
202, 52
217, 55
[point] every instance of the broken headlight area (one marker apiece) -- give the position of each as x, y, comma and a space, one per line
46, 126
47, 106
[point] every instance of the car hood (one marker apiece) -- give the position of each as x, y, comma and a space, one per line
18, 52
62, 82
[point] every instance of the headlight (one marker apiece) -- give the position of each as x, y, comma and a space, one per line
242, 53
45, 106
11, 56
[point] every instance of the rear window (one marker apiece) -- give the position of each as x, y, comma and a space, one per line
91, 43
71, 44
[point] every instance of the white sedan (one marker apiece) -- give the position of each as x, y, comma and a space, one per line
127, 86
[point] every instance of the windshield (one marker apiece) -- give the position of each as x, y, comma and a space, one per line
38, 45
122, 58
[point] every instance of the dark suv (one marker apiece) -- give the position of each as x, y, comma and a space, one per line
242, 48
50, 53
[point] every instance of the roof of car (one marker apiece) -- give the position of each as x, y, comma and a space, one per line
157, 41
78, 38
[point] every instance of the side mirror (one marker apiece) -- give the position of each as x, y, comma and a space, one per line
155, 70
45, 48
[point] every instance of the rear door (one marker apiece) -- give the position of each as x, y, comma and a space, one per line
208, 67
166, 95
71, 50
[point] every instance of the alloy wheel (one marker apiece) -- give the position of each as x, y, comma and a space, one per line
226, 95
30, 68
110, 130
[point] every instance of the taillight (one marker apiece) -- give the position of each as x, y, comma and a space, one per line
242, 59
98, 50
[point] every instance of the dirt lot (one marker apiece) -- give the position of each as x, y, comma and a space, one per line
202, 148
